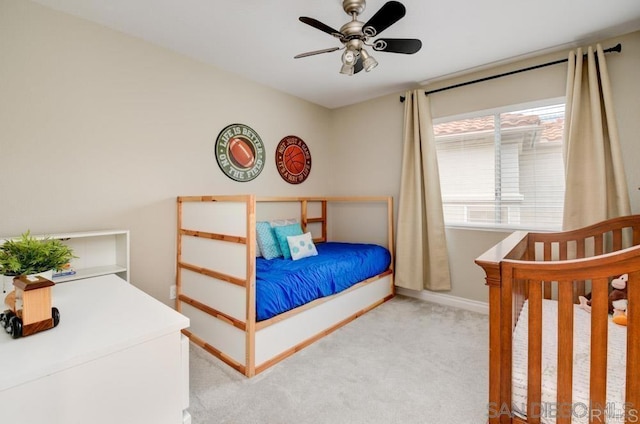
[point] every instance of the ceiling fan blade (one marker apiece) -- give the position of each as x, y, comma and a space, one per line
390, 13
358, 66
397, 45
322, 27
329, 50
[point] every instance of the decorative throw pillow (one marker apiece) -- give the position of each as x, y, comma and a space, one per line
281, 235
258, 252
301, 246
281, 222
273, 223
267, 241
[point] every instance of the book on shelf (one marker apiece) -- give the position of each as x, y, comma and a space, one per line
64, 273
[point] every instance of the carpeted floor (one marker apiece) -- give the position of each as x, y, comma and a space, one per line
405, 362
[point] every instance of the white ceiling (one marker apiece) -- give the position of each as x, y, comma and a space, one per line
258, 38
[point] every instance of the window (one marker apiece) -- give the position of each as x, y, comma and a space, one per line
503, 169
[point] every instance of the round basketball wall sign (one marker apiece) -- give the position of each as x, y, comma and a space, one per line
293, 159
240, 152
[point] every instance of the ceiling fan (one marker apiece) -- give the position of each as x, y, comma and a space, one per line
355, 35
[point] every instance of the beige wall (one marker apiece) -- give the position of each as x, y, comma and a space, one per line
100, 130
370, 136
367, 151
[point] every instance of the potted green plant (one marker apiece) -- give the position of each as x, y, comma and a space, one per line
28, 255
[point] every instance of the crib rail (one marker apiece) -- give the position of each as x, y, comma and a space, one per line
562, 266
595, 240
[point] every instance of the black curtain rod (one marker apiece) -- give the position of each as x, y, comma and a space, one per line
617, 48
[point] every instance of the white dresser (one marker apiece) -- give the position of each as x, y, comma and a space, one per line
117, 356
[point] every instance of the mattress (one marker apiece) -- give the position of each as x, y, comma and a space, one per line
285, 284
616, 366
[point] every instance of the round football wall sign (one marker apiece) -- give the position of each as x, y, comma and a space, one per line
293, 159
240, 152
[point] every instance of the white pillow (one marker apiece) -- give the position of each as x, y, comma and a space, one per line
301, 246
283, 222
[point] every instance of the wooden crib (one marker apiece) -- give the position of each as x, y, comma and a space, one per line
530, 268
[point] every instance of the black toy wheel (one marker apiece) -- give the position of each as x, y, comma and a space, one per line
6, 319
55, 314
16, 327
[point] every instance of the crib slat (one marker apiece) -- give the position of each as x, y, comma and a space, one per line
547, 290
617, 239
580, 253
548, 256
565, 355
547, 251
580, 248
562, 250
636, 236
598, 245
632, 396
579, 288
534, 366
599, 322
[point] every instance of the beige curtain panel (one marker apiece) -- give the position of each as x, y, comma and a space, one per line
596, 185
422, 260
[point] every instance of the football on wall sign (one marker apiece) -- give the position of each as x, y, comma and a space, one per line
240, 152
293, 159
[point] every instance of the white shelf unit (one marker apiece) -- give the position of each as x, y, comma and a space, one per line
98, 253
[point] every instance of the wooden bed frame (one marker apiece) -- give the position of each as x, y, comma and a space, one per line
534, 266
215, 279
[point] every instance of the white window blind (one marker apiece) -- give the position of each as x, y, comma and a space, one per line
503, 169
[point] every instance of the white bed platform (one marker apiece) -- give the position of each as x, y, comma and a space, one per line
215, 278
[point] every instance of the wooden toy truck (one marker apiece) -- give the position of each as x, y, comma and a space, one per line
30, 307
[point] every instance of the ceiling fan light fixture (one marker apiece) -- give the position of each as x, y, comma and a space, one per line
349, 57
346, 70
368, 61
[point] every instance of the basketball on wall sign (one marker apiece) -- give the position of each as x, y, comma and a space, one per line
240, 152
293, 159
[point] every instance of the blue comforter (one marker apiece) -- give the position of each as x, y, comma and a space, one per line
284, 284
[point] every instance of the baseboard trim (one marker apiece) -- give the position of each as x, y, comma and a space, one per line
446, 299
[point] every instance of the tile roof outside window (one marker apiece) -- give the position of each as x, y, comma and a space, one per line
511, 178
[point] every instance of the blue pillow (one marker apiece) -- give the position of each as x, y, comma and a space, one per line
281, 235
267, 241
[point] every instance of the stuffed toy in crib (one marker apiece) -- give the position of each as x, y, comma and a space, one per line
618, 302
